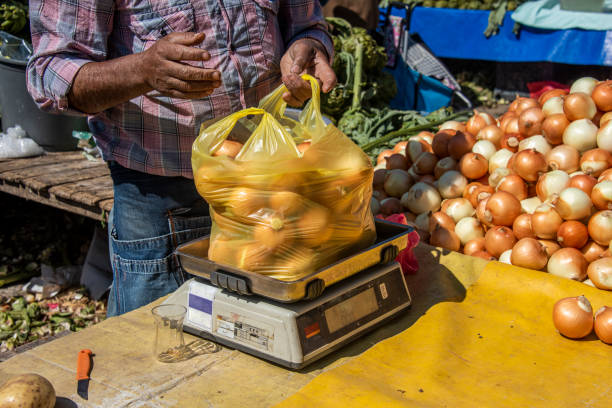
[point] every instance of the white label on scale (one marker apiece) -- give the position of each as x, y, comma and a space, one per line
225, 328
200, 301
245, 333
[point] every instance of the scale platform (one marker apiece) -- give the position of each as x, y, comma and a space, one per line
294, 334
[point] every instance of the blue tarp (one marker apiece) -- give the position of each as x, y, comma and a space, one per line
452, 33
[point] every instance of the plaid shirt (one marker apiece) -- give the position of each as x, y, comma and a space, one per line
154, 133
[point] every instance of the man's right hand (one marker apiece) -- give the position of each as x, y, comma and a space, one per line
164, 71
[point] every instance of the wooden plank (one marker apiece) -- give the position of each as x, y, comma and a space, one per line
70, 167
76, 208
106, 205
48, 158
88, 192
45, 181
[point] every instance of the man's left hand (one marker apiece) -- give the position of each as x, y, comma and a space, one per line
305, 56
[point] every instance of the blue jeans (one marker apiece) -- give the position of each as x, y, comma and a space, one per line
151, 216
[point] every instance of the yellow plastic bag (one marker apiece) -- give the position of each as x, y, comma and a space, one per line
276, 210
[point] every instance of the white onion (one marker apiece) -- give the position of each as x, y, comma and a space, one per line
581, 134
568, 263
601, 195
577, 173
421, 198
467, 229
537, 142
451, 184
459, 208
585, 84
505, 257
551, 183
573, 204
499, 159
422, 221
454, 125
529, 205
604, 137
553, 106
485, 148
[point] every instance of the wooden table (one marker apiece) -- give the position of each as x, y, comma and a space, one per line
66, 180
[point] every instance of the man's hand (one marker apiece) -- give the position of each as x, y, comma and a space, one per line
305, 56
164, 71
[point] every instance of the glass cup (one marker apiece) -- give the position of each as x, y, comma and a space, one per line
169, 343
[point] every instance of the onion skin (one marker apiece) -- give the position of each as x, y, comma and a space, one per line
499, 239
480, 193
573, 204
583, 182
440, 143
520, 104
484, 147
530, 121
529, 164
584, 84
529, 253
444, 165
473, 246
397, 161
592, 251
568, 263
502, 208
603, 324
550, 246
514, 185
505, 257
484, 255
546, 221
605, 118
442, 219
602, 96
563, 157
551, 183
573, 317
492, 133
553, 128
579, 106
468, 229
458, 208
529, 205
383, 155
511, 141
400, 147
600, 227
444, 238
522, 227
302, 147
481, 212
551, 93
473, 165
470, 188
572, 234
500, 160
460, 144
553, 106
601, 195
595, 161
600, 273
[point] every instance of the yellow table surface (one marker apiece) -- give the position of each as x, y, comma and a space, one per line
430, 356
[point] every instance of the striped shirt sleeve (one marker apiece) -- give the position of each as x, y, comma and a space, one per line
66, 34
304, 19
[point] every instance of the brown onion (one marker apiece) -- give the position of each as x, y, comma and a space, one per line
379, 194
521, 227
421, 198
499, 239
603, 324
600, 273
379, 178
537, 142
545, 221
484, 255
415, 147
504, 119
530, 121
397, 161
605, 118
228, 148
502, 208
425, 163
478, 121
568, 263
551, 183
469, 189
591, 251
602, 96
473, 246
440, 143
473, 165
600, 227
383, 155
514, 185
400, 147
550, 246
460, 144
572, 204
573, 317
529, 164
521, 104
553, 128
444, 165
563, 157
572, 234
481, 210
579, 106
302, 147
451, 184
397, 182
529, 253
492, 133
480, 193
427, 178
498, 174
444, 238
606, 175
593, 162
511, 141
583, 182
601, 195
442, 219
390, 205
551, 93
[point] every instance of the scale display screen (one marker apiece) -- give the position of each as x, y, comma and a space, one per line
350, 310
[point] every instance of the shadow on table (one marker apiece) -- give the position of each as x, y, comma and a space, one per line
432, 284
61, 402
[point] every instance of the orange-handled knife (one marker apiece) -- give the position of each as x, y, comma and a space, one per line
83, 369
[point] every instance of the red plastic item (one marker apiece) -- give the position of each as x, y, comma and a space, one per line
406, 257
538, 88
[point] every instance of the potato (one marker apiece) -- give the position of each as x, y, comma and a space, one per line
27, 390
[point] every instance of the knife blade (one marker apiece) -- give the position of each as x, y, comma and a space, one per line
83, 368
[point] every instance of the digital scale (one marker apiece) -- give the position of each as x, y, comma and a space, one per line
237, 310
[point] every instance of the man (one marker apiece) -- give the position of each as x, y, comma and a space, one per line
149, 73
